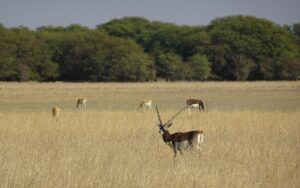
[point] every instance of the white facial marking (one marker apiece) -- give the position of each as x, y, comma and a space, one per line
161, 131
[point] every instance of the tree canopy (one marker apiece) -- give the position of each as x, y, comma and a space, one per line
137, 49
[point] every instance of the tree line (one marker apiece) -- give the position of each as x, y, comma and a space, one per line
137, 49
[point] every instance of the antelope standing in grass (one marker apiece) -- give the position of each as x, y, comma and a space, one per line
81, 103
145, 105
179, 141
55, 111
194, 103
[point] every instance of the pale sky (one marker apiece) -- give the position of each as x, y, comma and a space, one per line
36, 13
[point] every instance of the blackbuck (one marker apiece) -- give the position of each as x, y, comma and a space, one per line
194, 103
55, 111
179, 141
81, 103
144, 105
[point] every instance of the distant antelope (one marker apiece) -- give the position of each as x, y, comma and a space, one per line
55, 111
81, 103
145, 105
194, 103
179, 141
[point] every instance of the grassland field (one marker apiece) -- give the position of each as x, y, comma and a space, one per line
251, 135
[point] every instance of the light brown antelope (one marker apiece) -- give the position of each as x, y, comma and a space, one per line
55, 111
194, 103
81, 103
147, 104
179, 141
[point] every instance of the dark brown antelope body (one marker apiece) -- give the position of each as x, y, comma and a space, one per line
191, 102
179, 136
183, 141
179, 141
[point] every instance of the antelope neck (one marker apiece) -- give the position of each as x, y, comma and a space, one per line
166, 136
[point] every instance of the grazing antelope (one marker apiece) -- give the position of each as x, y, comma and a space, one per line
194, 103
81, 103
55, 111
144, 105
179, 141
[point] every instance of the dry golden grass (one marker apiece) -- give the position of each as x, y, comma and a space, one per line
251, 135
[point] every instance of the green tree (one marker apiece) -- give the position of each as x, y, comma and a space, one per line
169, 66
136, 49
200, 67
94, 56
245, 47
136, 28
25, 56
8, 67
296, 29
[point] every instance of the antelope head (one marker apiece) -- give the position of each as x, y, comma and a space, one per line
163, 127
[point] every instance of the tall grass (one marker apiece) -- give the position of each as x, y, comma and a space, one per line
98, 147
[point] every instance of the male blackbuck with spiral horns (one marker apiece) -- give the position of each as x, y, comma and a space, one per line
179, 141
194, 103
